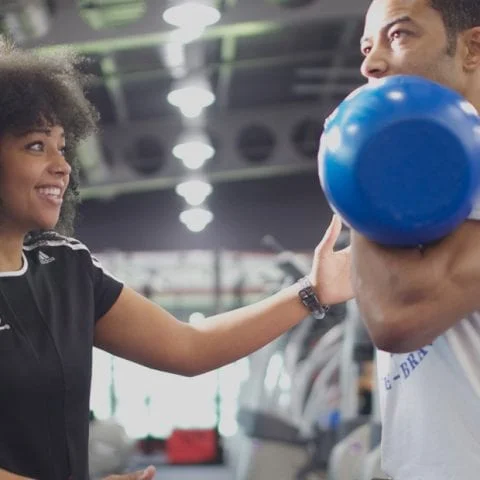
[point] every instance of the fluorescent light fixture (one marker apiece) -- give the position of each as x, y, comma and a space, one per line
187, 34
196, 219
191, 96
193, 13
193, 149
194, 191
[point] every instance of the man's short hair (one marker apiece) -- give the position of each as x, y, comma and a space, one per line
458, 16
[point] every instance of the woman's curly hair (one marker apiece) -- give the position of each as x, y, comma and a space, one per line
38, 90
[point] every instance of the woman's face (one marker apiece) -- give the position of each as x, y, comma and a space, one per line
34, 175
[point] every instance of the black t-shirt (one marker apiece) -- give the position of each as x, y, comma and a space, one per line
48, 311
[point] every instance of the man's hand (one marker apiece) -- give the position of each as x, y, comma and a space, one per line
147, 474
331, 273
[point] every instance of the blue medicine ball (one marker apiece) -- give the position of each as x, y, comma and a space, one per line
399, 160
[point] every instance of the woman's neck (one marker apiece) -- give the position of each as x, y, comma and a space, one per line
10, 252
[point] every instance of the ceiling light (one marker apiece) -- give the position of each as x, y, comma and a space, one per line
191, 96
174, 55
194, 149
194, 191
196, 219
30, 19
192, 13
185, 35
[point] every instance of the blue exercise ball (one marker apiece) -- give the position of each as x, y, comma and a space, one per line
399, 160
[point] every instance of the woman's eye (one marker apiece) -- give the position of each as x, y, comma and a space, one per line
36, 146
40, 147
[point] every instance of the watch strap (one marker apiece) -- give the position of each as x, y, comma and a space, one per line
309, 298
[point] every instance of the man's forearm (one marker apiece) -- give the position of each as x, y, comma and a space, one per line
391, 285
390, 275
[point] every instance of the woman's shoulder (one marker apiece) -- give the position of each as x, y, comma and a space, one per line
52, 240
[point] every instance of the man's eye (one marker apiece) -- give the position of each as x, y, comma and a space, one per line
398, 34
366, 50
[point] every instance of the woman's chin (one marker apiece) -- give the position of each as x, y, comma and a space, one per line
46, 224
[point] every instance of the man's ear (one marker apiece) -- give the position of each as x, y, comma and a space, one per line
471, 39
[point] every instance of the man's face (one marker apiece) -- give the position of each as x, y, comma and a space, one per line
409, 37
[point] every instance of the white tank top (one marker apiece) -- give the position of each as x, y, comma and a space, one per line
430, 406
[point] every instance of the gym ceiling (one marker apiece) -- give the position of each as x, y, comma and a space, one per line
277, 68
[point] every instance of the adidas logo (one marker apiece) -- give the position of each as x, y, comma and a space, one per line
43, 258
5, 326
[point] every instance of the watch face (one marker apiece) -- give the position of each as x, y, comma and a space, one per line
309, 299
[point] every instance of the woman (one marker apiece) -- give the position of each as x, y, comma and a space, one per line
56, 301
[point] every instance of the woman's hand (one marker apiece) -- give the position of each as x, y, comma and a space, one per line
147, 474
331, 271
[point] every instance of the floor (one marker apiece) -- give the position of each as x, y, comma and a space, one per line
193, 473
173, 472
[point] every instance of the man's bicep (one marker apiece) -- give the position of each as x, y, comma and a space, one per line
463, 266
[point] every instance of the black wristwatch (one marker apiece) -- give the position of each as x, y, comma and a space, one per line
309, 298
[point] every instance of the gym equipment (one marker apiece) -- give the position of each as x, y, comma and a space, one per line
193, 446
318, 422
354, 432
274, 439
316, 387
399, 160
285, 422
267, 444
109, 448
371, 467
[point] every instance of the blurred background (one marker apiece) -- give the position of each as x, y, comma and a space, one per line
201, 191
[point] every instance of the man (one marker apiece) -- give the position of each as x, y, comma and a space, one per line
422, 308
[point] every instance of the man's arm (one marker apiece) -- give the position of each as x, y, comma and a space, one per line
408, 297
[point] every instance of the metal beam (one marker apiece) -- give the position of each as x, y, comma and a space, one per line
227, 165
263, 63
324, 89
114, 88
322, 72
244, 18
90, 153
225, 70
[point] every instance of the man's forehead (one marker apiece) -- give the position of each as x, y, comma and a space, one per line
383, 11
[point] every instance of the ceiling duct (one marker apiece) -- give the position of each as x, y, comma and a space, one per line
25, 20
147, 155
256, 143
101, 14
291, 3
